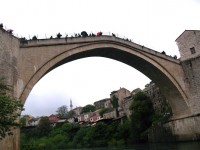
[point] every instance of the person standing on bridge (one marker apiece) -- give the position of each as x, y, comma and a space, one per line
84, 34
59, 35
1, 25
99, 33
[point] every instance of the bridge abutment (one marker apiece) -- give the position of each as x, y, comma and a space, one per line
191, 68
9, 48
188, 128
11, 142
185, 129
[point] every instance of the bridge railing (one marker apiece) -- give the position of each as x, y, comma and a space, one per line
74, 34
54, 35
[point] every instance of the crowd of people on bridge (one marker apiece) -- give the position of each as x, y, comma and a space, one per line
82, 34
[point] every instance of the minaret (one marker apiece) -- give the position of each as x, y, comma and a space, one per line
71, 106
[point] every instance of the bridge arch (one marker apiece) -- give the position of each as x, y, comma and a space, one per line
156, 66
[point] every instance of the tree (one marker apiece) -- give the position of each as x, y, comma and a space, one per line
10, 109
71, 114
115, 104
62, 111
23, 121
141, 118
59, 35
88, 108
44, 126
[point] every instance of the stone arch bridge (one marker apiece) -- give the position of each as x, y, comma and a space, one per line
24, 63
38, 57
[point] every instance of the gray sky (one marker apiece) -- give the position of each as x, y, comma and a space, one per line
152, 23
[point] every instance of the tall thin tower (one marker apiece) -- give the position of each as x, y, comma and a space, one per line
71, 106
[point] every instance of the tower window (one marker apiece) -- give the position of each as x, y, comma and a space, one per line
192, 50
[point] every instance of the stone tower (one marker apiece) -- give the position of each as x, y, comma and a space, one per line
189, 47
71, 106
189, 44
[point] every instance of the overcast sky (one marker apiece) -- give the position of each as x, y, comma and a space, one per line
153, 23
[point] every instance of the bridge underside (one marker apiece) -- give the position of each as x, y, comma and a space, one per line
179, 107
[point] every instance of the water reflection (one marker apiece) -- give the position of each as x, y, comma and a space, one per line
166, 146
176, 146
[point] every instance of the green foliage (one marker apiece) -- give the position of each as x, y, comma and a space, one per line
88, 108
44, 126
23, 121
116, 143
124, 129
70, 114
104, 110
80, 139
9, 111
62, 111
74, 136
115, 104
121, 132
141, 119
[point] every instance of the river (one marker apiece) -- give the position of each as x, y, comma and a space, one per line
166, 146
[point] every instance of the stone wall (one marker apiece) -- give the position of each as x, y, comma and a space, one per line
120, 94
160, 103
187, 40
100, 104
11, 142
9, 48
191, 70
160, 134
186, 129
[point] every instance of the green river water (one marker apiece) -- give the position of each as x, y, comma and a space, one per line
166, 146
